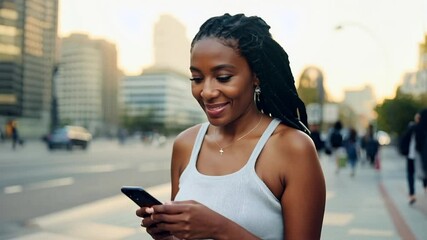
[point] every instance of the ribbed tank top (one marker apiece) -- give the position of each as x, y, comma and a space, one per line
240, 196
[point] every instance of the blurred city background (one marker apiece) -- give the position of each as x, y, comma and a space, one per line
111, 77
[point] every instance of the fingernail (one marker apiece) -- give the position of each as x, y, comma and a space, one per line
149, 210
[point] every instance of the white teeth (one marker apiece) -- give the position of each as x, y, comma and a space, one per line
215, 108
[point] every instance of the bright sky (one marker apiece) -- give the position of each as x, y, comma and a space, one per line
377, 44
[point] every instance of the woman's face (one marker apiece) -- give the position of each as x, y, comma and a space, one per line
222, 81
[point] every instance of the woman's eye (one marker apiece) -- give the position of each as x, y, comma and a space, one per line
196, 79
223, 78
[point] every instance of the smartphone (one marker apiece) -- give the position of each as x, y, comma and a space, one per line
141, 197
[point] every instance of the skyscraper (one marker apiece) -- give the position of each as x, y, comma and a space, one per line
28, 30
171, 45
86, 83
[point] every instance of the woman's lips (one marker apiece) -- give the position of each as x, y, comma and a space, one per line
214, 110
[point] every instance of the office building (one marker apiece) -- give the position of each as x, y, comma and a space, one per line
362, 102
166, 96
171, 45
28, 31
415, 83
87, 84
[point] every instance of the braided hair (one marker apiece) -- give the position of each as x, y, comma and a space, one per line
251, 38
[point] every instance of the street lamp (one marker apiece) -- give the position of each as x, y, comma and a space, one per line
375, 38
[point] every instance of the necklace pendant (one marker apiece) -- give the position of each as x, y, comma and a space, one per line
221, 151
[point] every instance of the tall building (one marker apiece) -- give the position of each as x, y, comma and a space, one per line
362, 102
165, 95
422, 62
28, 30
171, 45
415, 83
87, 84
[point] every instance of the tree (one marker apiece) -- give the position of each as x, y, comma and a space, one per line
395, 114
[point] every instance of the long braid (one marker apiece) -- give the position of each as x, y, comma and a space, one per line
251, 38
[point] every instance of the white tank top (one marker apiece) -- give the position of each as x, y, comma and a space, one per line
240, 196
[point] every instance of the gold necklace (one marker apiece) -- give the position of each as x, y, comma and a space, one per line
221, 149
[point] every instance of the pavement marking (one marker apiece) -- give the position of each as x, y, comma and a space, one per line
101, 168
370, 232
59, 182
12, 189
92, 230
337, 219
96, 208
153, 167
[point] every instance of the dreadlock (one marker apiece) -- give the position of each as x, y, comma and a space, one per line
251, 38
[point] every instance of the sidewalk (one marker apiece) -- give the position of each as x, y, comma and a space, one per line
372, 205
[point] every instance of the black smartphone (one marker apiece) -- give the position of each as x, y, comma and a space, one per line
141, 197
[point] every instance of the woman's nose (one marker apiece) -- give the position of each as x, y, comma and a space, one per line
210, 90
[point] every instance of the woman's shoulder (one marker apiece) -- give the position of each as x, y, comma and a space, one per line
186, 138
291, 139
190, 132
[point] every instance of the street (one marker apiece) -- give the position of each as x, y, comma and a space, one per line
36, 182
76, 195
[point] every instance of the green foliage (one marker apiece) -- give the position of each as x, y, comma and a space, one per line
308, 95
142, 122
395, 114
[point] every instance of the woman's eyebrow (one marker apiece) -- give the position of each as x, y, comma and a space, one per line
222, 66
192, 68
214, 69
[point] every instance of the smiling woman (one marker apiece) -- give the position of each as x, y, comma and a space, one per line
251, 171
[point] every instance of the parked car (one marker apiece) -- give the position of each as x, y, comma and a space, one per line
68, 137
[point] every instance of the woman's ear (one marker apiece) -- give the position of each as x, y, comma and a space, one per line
255, 80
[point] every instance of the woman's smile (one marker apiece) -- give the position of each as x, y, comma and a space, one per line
214, 110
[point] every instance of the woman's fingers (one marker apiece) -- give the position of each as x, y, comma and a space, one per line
175, 207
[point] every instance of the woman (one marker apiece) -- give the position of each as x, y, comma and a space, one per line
251, 171
421, 148
352, 150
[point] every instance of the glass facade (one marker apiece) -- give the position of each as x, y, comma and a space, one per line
167, 94
28, 30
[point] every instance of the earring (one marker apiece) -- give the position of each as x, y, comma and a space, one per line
257, 92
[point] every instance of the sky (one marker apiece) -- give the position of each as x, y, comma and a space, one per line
378, 40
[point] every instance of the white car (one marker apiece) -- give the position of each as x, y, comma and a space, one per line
68, 137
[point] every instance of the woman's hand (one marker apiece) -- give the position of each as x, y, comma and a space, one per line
184, 220
150, 225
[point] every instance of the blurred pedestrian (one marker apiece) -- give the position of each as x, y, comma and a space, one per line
251, 171
352, 149
316, 137
370, 145
15, 134
122, 134
407, 148
335, 144
421, 148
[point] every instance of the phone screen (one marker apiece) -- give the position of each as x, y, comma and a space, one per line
140, 196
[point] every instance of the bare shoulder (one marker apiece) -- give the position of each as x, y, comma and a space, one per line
294, 151
183, 146
292, 143
187, 137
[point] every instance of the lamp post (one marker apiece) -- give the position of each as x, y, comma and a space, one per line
372, 36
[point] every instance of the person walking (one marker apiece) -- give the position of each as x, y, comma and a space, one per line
421, 148
352, 150
407, 148
317, 137
251, 171
15, 134
336, 147
370, 145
